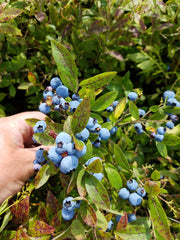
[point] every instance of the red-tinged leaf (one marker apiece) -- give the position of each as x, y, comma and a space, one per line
42, 212
64, 180
142, 25
9, 14
21, 211
80, 183
56, 221
31, 77
88, 214
95, 166
7, 28
79, 145
123, 222
40, 16
103, 235
152, 188
21, 234
39, 228
52, 204
2, 7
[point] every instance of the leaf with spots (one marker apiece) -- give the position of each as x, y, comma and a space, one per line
39, 228
21, 211
79, 145
67, 125
95, 166
78, 230
123, 222
98, 80
80, 183
152, 188
171, 140
88, 214
97, 192
66, 65
133, 109
81, 116
7, 28
21, 234
9, 14
44, 139
42, 176
52, 204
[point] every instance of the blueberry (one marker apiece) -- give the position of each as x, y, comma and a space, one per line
91, 122
44, 108
65, 105
159, 137
75, 96
115, 103
124, 193
47, 93
168, 94
131, 217
62, 91
161, 130
109, 109
39, 127
55, 82
141, 113
132, 184
81, 153
56, 100
104, 133
110, 225
96, 128
97, 143
73, 105
67, 215
113, 130
39, 155
138, 126
135, 199
170, 124
118, 217
140, 131
174, 118
98, 176
63, 137
141, 192
172, 102
37, 167
83, 135
69, 204
132, 96
70, 148
68, 164
54, 156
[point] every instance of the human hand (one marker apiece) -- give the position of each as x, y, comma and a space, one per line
17, 153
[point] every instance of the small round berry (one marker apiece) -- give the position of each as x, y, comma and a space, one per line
83, 135
115, 103
104, 133
132, 184
39, 155
109, 109
170, 124
73, 105
174, 118
141, 192
113, 130
110, 225
54, 156
141, 113
138, 126
132, 96
172, 102
69, 204
39, 127
135, 199
168, 94
68, 164
55, 82
67, 215
131, 217
124, 193
75, 96
47, 93
159, 137
91, 122
161, 130
62, 91
44, 108
98, 176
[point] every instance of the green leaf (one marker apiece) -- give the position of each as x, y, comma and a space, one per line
77, 230
79, 145
133, 109
81, 116
9, 14
25, 85
158, 218
42, 176
12, 91
113, 176
95, 166
67, 125
15, 64
137, 57
80, 183
88, 214
104, 101
97, 192
101, 221
99, 80
155, 175
44, 139
139, 236
171, 140
66, 65
121, 158
107, 125
5, 220
173, 110
120, 108
39, 228
162, 149
32, 121
152, 188
154, 108
146, 65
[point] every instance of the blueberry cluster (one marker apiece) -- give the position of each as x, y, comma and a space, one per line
133, 193
39, 160
69, 206
99, 176
170, 97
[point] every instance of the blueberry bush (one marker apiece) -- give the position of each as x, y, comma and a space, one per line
112, 105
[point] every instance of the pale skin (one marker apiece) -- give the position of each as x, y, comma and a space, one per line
16, 152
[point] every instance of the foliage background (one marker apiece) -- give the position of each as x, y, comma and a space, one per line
137, 39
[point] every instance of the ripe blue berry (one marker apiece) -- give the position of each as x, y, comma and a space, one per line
109, 109
67, 215
115, 103
54, 156
39, 155
69, 204
174, 118
47, 93
73, 105
39, 127
141, 113
138, 127
141, 192
132, 184
75, 96
62, 91
91, 122
124, 193
55, 82
104, 133
96, 128
113, 130
70, 148
170, 124
98, 176
131, 217
37, 167
135, 199
97, 142
44, 108
168, 94
56, 100
68, 164
172, 102
81, 153
161, 130
159, 137
83, 135
110, 225
132, 96
63, 137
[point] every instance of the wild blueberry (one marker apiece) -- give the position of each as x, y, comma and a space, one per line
168, 94
141, 191
47, 93
131, 217
115, 103
39, 155
67, 215
109, 109
138, 126
37, 167
81, 153
174, 118
104, 133
132, 184
124, 193
54, 156
63, 137
141, 113
159, 137
110, 225
91, 122
161, 130
96, 128
75, 96
83, 135
97, 143
55, 82
98, 176
170, 124
69, 204
68, 164
172, 102
132, 96
39, 127
135, 199
70, 148
73, 105
44, 108
113, 130
62, 91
